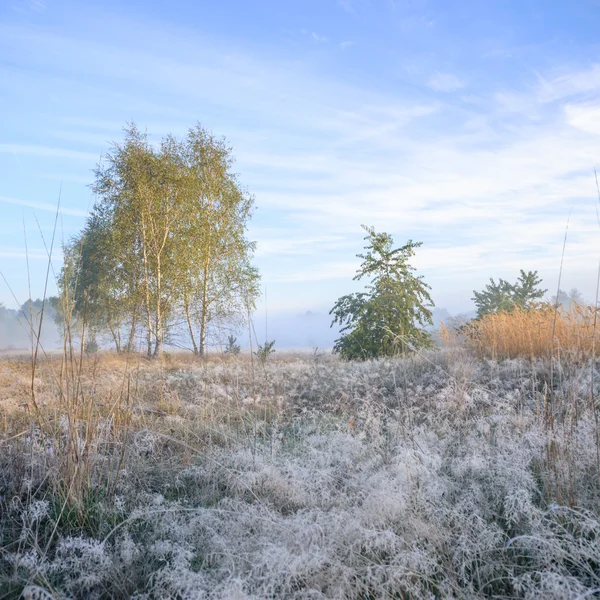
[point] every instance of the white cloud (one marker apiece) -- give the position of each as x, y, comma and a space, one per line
584, 117
318, 38
325, 271
25, 6
568, 83
31, 254
69, 178
445, 82
572, 85
347, 44
303, 244
518, 102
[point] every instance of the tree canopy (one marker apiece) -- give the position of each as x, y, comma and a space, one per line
389, 317
504, 296
166, 238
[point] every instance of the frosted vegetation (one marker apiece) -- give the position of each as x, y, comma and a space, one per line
436, 476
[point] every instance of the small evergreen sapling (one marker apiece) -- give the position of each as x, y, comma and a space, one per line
389, 318
504, 296
265, 351
232, 347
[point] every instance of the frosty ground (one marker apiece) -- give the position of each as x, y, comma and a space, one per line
435, 476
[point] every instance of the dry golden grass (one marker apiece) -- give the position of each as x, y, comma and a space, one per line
545, 331
68, 404
74, 403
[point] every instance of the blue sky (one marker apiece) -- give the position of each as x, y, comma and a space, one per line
473, 127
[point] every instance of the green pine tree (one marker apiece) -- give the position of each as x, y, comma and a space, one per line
389, 318
504, 296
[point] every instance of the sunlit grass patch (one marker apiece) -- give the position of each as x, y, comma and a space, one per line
544, 331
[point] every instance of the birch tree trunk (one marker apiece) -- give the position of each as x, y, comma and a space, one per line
186, 307
204, 313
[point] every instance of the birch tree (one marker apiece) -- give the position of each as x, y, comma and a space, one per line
218, 282
168, 234
96, 284
140, 188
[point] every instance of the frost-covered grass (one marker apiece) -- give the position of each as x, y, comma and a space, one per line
439, 476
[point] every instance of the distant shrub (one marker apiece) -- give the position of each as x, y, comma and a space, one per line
265, 351
232, 347
92, 346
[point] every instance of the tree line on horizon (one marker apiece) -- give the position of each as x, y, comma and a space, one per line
20, 327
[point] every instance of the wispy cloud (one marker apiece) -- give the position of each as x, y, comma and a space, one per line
445, 82
24, 6
347, 44
46, 151
44, 206
304, 245
314, 36
69, 178
326, 271
347, 6
568, 82
31, 254
585, 117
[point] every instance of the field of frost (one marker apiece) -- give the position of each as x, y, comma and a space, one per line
436, 476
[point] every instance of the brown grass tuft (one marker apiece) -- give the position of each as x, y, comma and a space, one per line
529, 333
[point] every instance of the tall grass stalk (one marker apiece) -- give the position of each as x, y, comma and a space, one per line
77, 420
535, 333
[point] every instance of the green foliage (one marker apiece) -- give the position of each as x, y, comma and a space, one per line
232, 346
388, 318
98, 283
504, 297
216, 280
263, 352
166, 237
92, 346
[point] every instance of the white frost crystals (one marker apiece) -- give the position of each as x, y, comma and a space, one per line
374, 480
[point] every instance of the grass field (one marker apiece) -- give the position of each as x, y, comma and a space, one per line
443, 475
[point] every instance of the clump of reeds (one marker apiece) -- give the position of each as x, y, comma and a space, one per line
77, 417
542, 331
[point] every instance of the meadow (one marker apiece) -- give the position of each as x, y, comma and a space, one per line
444, 474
